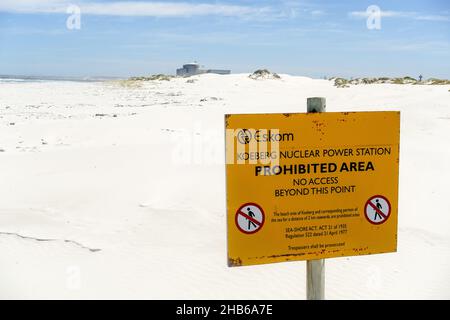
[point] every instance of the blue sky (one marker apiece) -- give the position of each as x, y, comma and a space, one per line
312, 38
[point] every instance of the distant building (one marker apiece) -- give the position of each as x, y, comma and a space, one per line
192, 69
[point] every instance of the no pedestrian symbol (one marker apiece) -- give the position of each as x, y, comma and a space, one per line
249, 218
377, 209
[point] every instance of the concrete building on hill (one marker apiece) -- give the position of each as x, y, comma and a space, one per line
192, 69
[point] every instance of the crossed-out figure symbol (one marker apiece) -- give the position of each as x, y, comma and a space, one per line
379, 206
251, 214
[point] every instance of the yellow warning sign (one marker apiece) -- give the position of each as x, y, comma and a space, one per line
311, 186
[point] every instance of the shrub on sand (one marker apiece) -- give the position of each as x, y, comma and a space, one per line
155, 77
262, 74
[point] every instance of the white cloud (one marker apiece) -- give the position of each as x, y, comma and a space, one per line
133, 8
317, 12
434, 46
401, 14
433, 18
33, 6
365, 14
160, 9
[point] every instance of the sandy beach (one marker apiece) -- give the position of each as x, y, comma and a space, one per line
116, 189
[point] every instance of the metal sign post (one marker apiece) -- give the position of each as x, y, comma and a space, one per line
315, 269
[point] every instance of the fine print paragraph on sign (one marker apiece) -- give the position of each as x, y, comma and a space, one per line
311, 186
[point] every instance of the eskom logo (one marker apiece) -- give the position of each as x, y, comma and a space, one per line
244, 136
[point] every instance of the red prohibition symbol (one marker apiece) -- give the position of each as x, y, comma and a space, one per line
377, 209
249, 218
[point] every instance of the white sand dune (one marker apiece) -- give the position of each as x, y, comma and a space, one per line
137, 172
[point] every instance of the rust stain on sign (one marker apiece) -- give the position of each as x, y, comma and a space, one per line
227, 117
234, 262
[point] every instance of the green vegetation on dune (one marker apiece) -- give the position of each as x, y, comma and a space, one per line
434, 81
263, 74
345, 83
155, 77
341, 83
